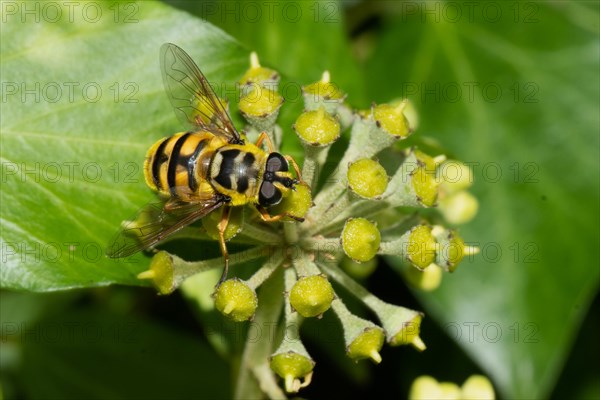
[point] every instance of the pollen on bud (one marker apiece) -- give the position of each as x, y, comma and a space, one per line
161, 272
322, 93
391, 119
234, 226
425, 185
311, 295
296, 203
367, 178
235, 299
421, 246
259, 75
293, 366
260, 106
367, 345
458, 207
317, 127
360, 239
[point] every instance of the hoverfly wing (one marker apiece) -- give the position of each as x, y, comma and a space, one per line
193, 99
155, 222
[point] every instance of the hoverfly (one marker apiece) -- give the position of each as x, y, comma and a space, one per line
208, 167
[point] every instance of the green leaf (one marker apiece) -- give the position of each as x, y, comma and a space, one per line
82, 101
530, 124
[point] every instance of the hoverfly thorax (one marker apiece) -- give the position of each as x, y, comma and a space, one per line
277, 181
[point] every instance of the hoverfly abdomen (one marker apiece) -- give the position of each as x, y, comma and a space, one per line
177, 166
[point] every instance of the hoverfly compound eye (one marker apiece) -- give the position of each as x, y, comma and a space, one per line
276, 162
269, 195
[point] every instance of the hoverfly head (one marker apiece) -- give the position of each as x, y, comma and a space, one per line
277, 181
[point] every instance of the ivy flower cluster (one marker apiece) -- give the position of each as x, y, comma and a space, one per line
352, 213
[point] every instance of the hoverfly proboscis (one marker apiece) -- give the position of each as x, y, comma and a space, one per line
210, 166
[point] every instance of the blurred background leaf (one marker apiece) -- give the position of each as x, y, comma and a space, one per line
525, 113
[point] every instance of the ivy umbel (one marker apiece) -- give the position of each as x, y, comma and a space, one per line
357, 212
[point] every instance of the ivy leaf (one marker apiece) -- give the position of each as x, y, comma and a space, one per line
519, 98
82, 101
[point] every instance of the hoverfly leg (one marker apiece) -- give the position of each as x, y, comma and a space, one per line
264, 214
264, 136
295, 166
222, 227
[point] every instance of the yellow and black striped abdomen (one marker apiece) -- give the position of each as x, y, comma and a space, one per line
178, 165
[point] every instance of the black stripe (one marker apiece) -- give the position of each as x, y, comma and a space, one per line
191, 165
172, 169
227, 168
248, 161
246, 170
159, 158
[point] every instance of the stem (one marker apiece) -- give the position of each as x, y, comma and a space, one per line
252, 374
261, 233
360, 292
290, 231
266, 270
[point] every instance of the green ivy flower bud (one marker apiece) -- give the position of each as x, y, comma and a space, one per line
451, 249
296, 203
203, 109
425, 185
293, 366
363, 338
322, 93
417, 246
427, 161
161, 272
392, 120
367, 345
427, 280
477, 387
459, 207
426, 388
260, 106
360, 239
367, 178
235, 299
311, 295
410, 112
234, 226
454, 176
412, 185
358, 270
317, 127
259, 75
409, 334
421, 246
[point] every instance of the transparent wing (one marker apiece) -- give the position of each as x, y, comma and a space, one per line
155, 222
193, 100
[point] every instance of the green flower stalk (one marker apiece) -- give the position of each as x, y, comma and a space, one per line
360, 212
291, 361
